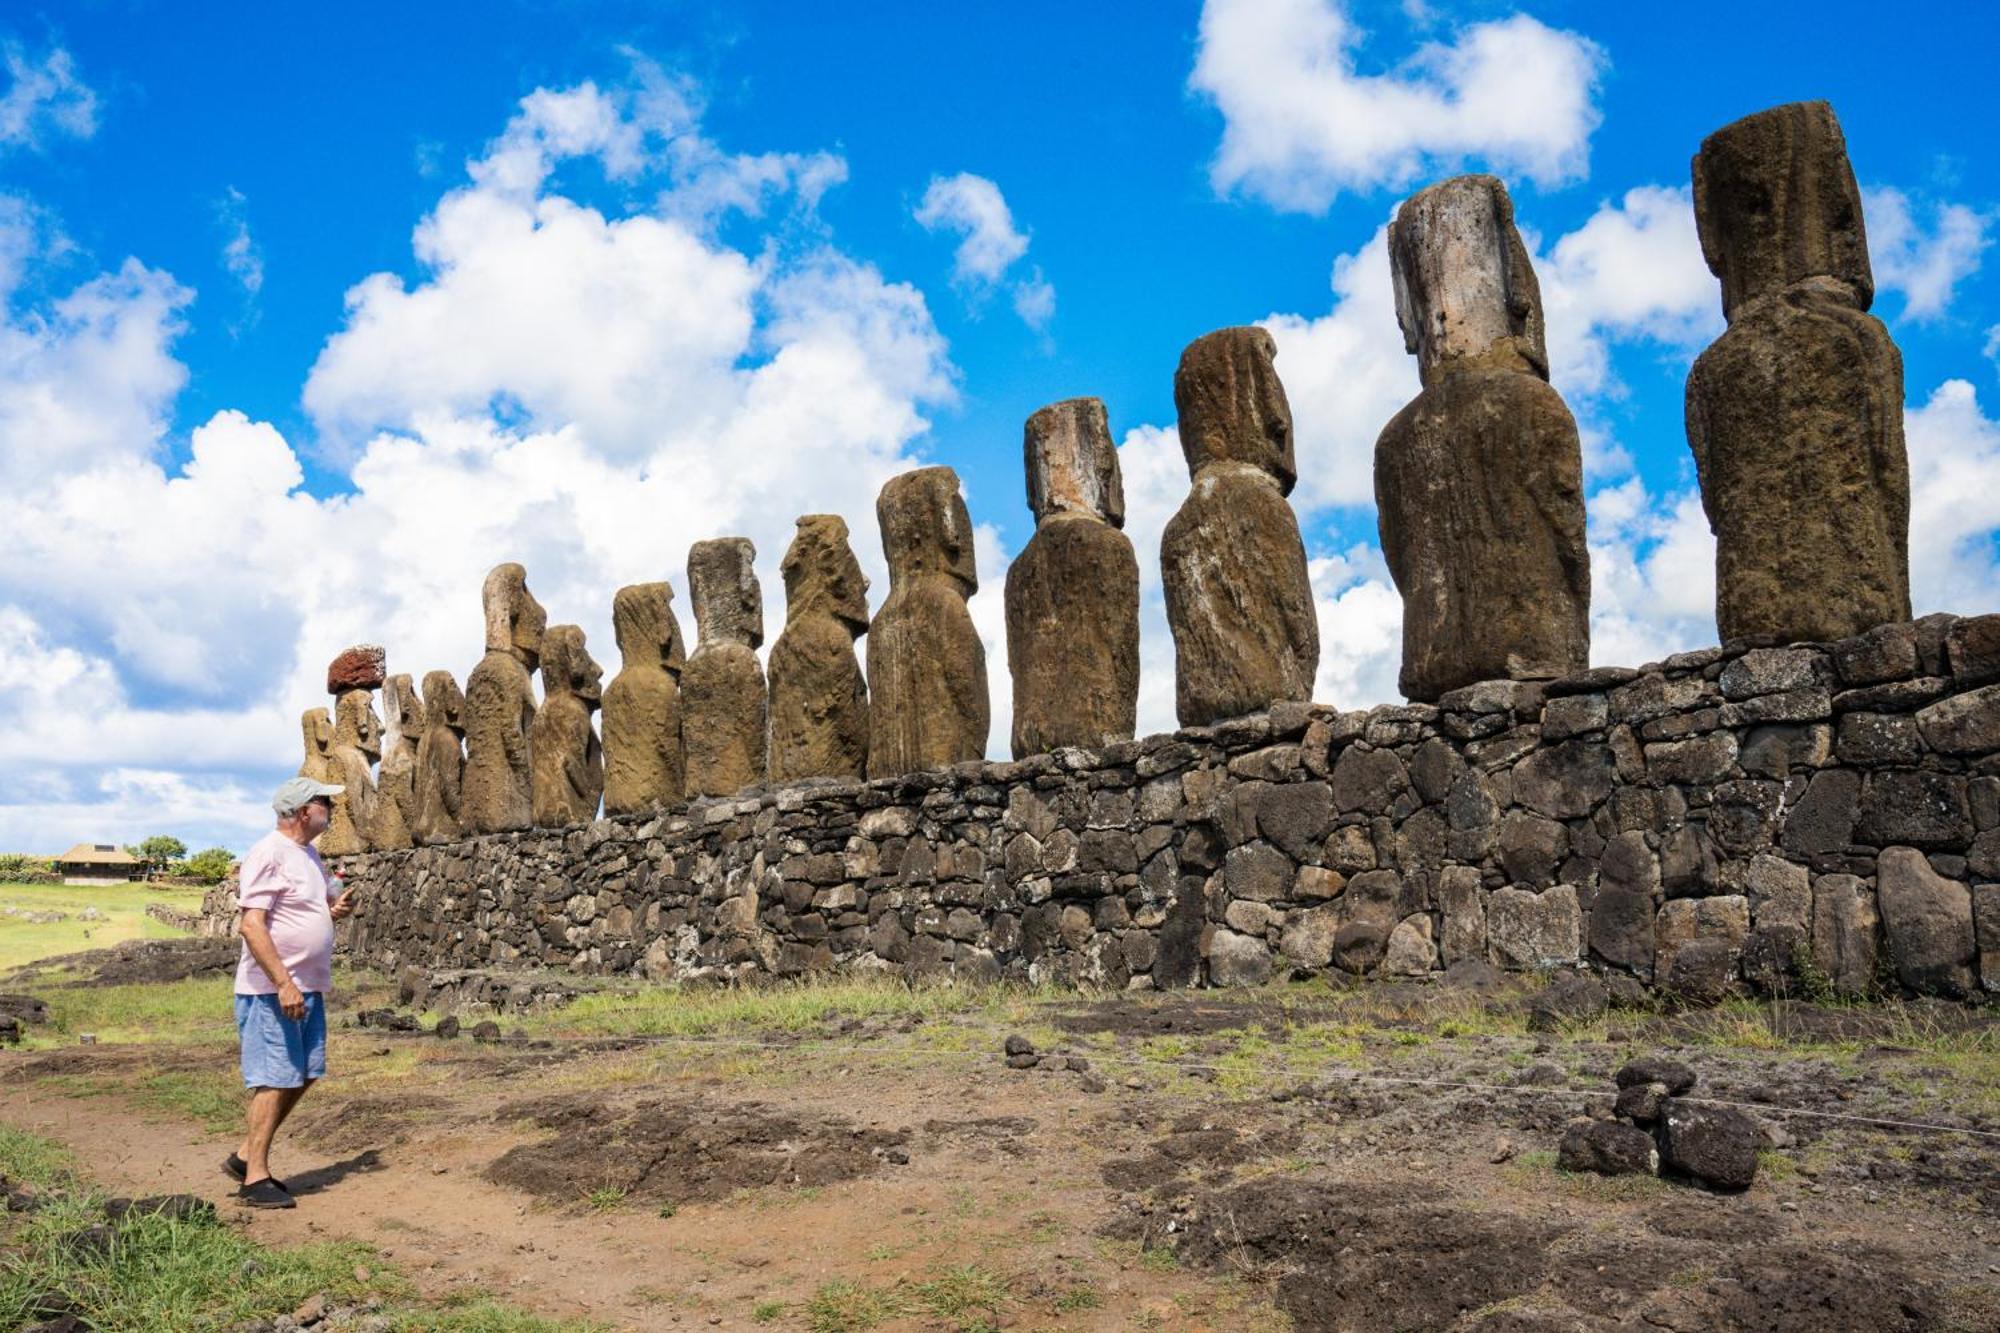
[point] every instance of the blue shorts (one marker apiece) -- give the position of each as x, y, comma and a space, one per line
280, 1052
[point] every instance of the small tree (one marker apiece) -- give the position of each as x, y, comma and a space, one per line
211, 866
159, 849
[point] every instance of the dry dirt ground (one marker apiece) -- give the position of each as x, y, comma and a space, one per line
1297, 1157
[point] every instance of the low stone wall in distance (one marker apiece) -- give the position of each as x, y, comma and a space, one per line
1820, 818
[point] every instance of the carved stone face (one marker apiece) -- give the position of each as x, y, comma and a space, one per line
1465, 291
316, 730
405, 709
444, 702
1072, 465
925, 528
728, 602
642, 616
1232, 404
567, 667
515, 621
355, 723
822, 575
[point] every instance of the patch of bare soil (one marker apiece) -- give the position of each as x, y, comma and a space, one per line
141, 961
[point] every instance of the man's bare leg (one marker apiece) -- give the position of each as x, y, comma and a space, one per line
268, 1109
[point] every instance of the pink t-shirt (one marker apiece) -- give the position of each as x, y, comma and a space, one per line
289, 882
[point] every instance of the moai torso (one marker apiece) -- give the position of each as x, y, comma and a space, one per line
568, 759
500, 707
1479, 480
927, 700
1795, 414
723, 705
644, 766
819, 699
1232, 564
440, 776
1073, 592
362, 821
316, 729
404, 730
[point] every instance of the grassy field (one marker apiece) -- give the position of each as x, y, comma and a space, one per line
123, 906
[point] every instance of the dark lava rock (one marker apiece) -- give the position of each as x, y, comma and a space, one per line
1572, 997
1716, 1145
1656, 1069
1608, 1149
1018, 1045
447, 1027
486, 1030
1640, 1103
175, 1207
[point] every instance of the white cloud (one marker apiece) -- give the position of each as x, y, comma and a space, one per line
973, 208
1301, 123
241, 258
1954, 502
1924, 264
42, 97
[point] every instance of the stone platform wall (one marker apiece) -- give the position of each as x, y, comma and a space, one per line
1827, 814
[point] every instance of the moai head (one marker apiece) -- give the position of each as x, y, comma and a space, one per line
1232, 405
1775, 202
822, 575
728, 603
316, 728
514, 619
568, 668
444, 702
355, 723
405, 710
1071, 463
925, 529
1465, 291
642, 616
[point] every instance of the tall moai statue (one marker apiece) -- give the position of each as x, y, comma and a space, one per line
500, 707
1232, 563
362, 820
1073, 592
1479, 479
403, 733
644, 765
819, 698
568, 758
927, 700
440, 763
316, 731
1795, 414
723, 705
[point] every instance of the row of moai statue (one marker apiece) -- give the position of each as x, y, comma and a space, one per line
1794, 416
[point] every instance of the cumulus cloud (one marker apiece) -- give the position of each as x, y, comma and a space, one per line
1954, 502
43, 97
989, 246
1302, 123
1923, 263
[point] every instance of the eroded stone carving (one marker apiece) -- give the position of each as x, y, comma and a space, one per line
568, 758
1073, 592
316, 731
1795, 414
402, 734
644, 766
500, 707
363, 820
927, 700
1231, 561
723, 706
1479, 479
440, 762
819, 698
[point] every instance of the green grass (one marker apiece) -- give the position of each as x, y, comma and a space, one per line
169, 1012
123, 905
794, 1007
964, 1298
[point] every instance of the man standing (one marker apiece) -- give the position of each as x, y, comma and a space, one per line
283, 977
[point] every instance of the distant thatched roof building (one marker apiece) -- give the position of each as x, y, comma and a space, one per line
98, 863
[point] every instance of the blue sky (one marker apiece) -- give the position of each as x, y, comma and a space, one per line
406, 290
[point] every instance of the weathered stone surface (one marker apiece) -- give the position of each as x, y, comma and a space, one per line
724, 708
1795, 413
402, 733
1479, 479
1238, 960
500, 706
1699, 759
1233, 566
1780, 893
440, 776
1533, 930
1607, 1148
1671, 1075
1916, 806
1926, 923
644, 765
928, 706
1886, 652
1621, 916
1464, 904
819, 696
568, 757
1972, 649
1567, 780
1716, 1145
1845, 926
1412, 952
362, 819
1724, 919
1368, 780
1823, 820
1871, 740
1764, 671
316, 733
362, 667
1986, 933
1963, 724
1072, 595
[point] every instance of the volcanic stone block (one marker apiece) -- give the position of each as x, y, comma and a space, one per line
644, 766
1233, 566
362, 667
1927, 921
568, 757
440, 762
1845, 924
1534, 931
724, 708
397, 779
1073, 592
1608, 1149
500, 707
819, 696
1717, 1145
1479, 480
927, 701
1795, 414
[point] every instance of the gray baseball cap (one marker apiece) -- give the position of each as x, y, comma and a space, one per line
296, 792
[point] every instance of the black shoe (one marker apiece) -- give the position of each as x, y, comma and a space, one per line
238, 1170
266, 1193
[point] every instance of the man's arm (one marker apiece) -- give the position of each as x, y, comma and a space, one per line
257, 936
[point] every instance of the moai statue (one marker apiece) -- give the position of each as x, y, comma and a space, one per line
500, 707
927, 701
568, 759
440, 763
1231, 561
644, 766
1795, 414
397, 780
723, 708
1479, 479
819, 698
362, 820
316, 728
1073, 592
